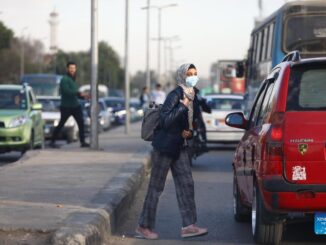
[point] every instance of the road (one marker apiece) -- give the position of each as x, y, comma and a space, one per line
10, 157
213, 189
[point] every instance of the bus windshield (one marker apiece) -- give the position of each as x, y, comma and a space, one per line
43, 85
306, 33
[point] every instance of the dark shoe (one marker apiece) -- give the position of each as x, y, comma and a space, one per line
54, 145
84, 144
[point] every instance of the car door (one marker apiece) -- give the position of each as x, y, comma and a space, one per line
248, 145
257, 133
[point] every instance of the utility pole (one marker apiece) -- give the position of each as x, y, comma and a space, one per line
127, 84
22, 52
94, 67
148, 75
159, 46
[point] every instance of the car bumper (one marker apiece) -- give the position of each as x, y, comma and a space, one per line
48, 131
284, 197
14, 138
223, 136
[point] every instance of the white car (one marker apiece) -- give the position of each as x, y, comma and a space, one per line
51, 116
216, 129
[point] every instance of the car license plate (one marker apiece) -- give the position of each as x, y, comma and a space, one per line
219, 122
47, 129
320, 223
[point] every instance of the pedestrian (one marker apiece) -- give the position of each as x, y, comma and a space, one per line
158, 95
144, 98
70, 105
169, 152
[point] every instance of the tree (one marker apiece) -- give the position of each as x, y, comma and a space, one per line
6, 36
109, 71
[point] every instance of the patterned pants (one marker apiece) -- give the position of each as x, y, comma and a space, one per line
184, 185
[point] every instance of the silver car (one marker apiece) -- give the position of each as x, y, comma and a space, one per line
216, 129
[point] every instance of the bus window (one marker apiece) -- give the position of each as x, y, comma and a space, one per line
258, 48
265, 34
306, 33
270, 40
254, 50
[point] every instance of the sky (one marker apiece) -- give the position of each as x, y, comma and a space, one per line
206, 30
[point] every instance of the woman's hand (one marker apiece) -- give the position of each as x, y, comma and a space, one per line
185, 101
186, 134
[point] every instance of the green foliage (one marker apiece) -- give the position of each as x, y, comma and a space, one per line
109, 71
6, 36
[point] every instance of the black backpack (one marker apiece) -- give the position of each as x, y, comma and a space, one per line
151, 122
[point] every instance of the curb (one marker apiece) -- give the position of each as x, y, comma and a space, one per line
111, 205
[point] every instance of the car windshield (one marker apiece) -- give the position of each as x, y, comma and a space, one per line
13, 99
50, 105
225, 104
114, 103
306, 33
307, 88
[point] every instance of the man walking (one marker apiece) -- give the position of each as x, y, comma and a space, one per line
70, 105
158, 95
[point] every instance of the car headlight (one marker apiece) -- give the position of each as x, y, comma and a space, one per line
120, 113
56, 123
17, 121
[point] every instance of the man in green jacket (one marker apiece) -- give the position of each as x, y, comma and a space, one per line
70, 105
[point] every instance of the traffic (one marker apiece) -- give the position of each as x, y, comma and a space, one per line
269, 108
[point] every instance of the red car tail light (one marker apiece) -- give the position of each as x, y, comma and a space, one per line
274, 151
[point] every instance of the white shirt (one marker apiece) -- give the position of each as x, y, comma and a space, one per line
158, 96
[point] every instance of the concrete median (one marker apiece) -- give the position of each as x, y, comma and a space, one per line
72, 195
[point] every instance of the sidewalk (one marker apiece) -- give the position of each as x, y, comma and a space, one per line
74, 195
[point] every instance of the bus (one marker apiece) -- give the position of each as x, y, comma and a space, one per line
43, 84
297, 25
229, 80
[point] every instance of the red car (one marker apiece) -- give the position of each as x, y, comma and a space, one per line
280, 162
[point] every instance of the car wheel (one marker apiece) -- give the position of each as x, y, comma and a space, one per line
264, 231
241, 213
70, 137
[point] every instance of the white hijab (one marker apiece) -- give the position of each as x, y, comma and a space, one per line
189, 92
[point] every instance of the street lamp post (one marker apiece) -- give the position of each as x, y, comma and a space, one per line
148, 75
160, 38
22, 52
127, 84
94, 67
159, 8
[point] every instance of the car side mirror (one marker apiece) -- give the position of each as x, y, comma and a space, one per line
37, 107
236, 120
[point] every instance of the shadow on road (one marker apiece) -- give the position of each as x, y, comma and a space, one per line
6, 158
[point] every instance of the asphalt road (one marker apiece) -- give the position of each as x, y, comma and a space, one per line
213, 189
10, 157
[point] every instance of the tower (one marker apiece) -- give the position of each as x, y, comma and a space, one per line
54, 22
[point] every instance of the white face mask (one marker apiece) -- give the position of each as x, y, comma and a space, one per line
191, 81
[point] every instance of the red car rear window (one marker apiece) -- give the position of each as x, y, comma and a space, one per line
307, 88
